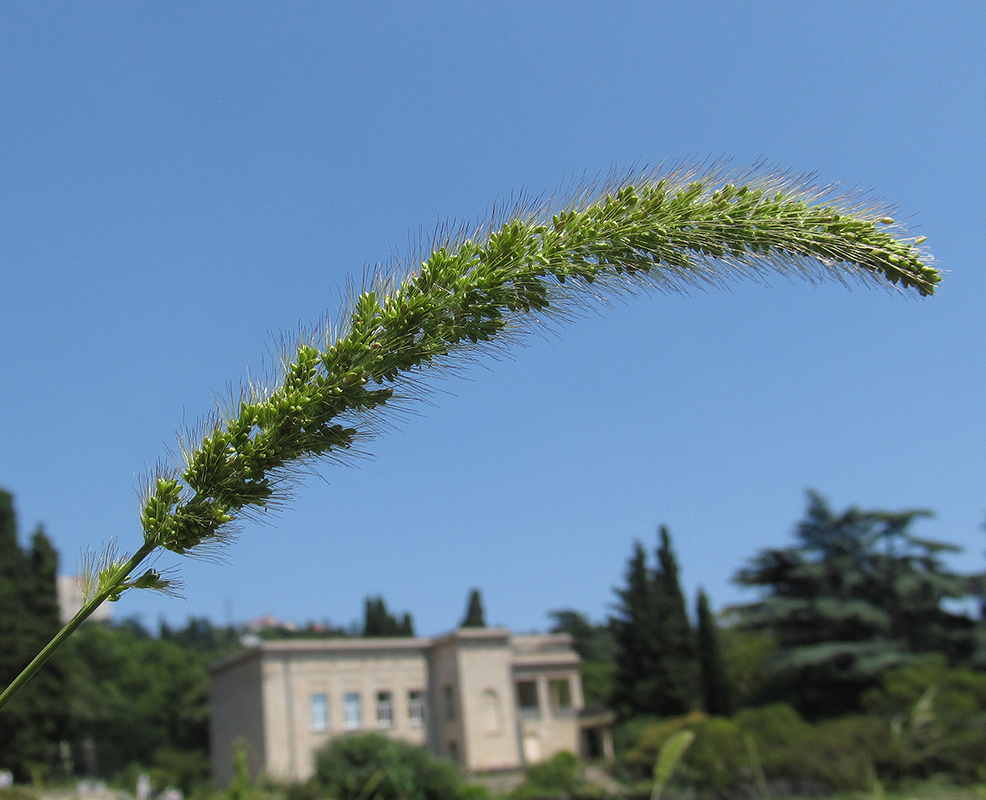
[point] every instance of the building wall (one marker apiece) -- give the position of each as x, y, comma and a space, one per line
294, 678
486, 692
445, 732
235, 698
71, 598
289, 698
552, 725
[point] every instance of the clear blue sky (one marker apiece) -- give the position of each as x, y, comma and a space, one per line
182, 182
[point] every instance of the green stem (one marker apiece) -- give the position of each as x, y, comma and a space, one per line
84, 613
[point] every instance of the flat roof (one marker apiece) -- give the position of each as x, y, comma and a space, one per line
404, 645
527, 650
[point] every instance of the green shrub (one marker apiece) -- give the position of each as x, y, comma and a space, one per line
370, 765
746, 656
837, 754
925, 721
627, 733
557, 777
936, 721
794, 756
650, 736
717, 760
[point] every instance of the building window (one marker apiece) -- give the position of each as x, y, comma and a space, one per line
560, 691
527, 695
385, 709
352, 718
492, 713
449, 697
320, 712
416, 708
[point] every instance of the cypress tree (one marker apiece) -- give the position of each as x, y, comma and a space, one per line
374, 617
678, 692
637, 643
380, 622
42, 597
47, 697
716, 694
656, 659
13, 577
35, 719
13, 571
475, 616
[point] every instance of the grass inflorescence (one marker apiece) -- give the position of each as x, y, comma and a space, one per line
476, 289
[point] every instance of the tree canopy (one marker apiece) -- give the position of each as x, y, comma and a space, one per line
856, 594
379, 622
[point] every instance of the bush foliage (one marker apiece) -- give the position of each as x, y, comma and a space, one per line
794, 755
925, 721
558, 777
371, 765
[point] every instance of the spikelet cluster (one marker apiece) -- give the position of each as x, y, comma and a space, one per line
474, 288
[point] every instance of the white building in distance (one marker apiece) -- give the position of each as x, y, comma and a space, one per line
70, 600
482, 697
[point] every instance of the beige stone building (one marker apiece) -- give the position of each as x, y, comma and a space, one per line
71, 598
483, 697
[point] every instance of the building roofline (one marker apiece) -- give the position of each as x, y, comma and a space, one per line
341, 645
473, 634
541, 638
529, 650
547, 660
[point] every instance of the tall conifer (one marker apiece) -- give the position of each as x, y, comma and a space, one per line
13, 574
678, 692
31, 724
378, 621
656, 661
716, 694
475, 616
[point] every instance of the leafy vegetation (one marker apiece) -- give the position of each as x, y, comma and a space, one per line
857, 595
31, 726
746, 657
881, 679
377, 621
557, 777
367, 765
936, 718
137, 700
133, 702
923, 721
